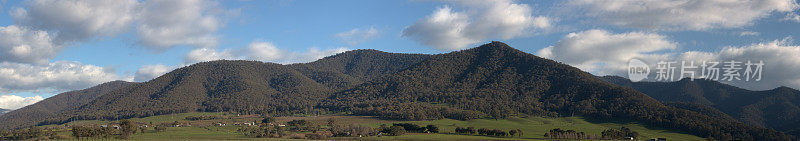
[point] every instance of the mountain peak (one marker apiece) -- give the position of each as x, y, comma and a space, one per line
495, 45
494, 49
784, 88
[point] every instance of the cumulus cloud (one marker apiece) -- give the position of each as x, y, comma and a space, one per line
267, 52
357, 35
261, 51
311, 54
602, 53
52, 77
264, 51
780, 62
44, 27
23, 45
168, 23
149, 72
681, 14
208, 54
77, 19
605, 53
749, 33
446, 29
161, 24
15, 102
792, 17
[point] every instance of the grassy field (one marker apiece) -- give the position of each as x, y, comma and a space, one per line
535, 127
532, 127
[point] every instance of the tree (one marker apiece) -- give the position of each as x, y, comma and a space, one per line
619, 134
512, 132
410, 127
35, 132
432, 128
128, 128
384, 128
331, 122
301, 122
483, 131
396, 130
267, 120
161, 128
471, 130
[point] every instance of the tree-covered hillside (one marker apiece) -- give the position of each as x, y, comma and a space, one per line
490, 81
53, 107
778, 108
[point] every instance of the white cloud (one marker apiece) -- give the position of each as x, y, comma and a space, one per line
160, 24
44, 27
267, 52
357, 35
168, 23
781, 62
261, 51
604, 53
310, 55
15, 102
681, 14
449, 30
149, 72
23, 45
792, 17
52, 77
208, 54
749, 33
264, 51
77, 19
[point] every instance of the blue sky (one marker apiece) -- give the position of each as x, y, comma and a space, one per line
90, 42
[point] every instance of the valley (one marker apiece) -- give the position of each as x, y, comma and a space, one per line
532, 127
492, 84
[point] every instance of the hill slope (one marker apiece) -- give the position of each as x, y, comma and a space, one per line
498, 80
53, 106
493, 80
238, 86
778, 108
351, 68
3, 111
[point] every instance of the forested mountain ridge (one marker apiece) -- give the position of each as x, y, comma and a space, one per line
238, 86
53, 106
354, 67
777, 108
499, 81
490, 81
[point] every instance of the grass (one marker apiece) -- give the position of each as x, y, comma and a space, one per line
413, 136
193, 133
533, 127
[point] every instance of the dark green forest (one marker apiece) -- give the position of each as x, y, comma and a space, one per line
778, 108
490, 81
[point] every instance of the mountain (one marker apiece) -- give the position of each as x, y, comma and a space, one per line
352, 68
239, 86
499, 81
778, 108
3, 111
53, 106
490, 81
